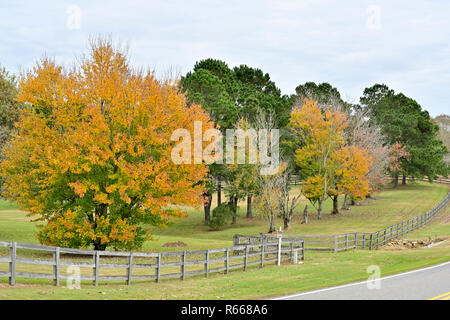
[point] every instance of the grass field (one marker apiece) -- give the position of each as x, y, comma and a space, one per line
319, 269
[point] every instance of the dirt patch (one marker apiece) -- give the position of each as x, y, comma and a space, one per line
412, 244
174, 244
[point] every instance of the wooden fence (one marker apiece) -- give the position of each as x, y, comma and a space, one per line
247, 251
341, 242
441, 180
176, 264
295, 180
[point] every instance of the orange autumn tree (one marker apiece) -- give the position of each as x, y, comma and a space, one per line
321, 135
92, 156
353, 180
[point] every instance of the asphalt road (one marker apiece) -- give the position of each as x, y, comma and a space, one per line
428, 283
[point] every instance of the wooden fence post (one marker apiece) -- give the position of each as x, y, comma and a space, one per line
279, 252
378, 237
292, 251
96, 267
245, 258
261, 264
346, 242
12, 264
236, 240
261, 235
335, 243
183, 265
303, 250
130, 268
206, 263
56, 266
370, 243
227, 256
158, 267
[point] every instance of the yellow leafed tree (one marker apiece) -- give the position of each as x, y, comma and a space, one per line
92, 157
321, 135
353, 179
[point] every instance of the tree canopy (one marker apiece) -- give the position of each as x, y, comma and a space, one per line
324, 93
92, 156
403, 121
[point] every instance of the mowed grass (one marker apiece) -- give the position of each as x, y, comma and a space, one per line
15, 225
318, 270
390, 207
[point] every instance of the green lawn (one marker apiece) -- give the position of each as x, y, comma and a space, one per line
318, 270
391, 206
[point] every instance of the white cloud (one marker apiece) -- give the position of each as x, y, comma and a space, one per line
295, 41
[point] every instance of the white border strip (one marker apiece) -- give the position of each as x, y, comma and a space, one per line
359, 283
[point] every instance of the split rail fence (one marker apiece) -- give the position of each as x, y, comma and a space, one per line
247, 251
136, 264
342, 242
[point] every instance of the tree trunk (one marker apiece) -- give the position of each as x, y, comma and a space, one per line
352, 201
249, 207
335, 205
219, 191
395, 180
305, 215
344, 205
286, 222
319, 210
100, 211
271, 225
404, 180
234, 201
207, 205
99, 246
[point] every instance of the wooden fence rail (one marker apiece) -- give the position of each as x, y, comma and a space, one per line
175, 263
342, 242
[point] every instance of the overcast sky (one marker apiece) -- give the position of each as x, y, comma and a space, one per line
350, 44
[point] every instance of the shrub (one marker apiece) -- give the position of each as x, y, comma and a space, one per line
221, 216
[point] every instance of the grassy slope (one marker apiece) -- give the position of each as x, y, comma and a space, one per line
319, 269
391, 206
